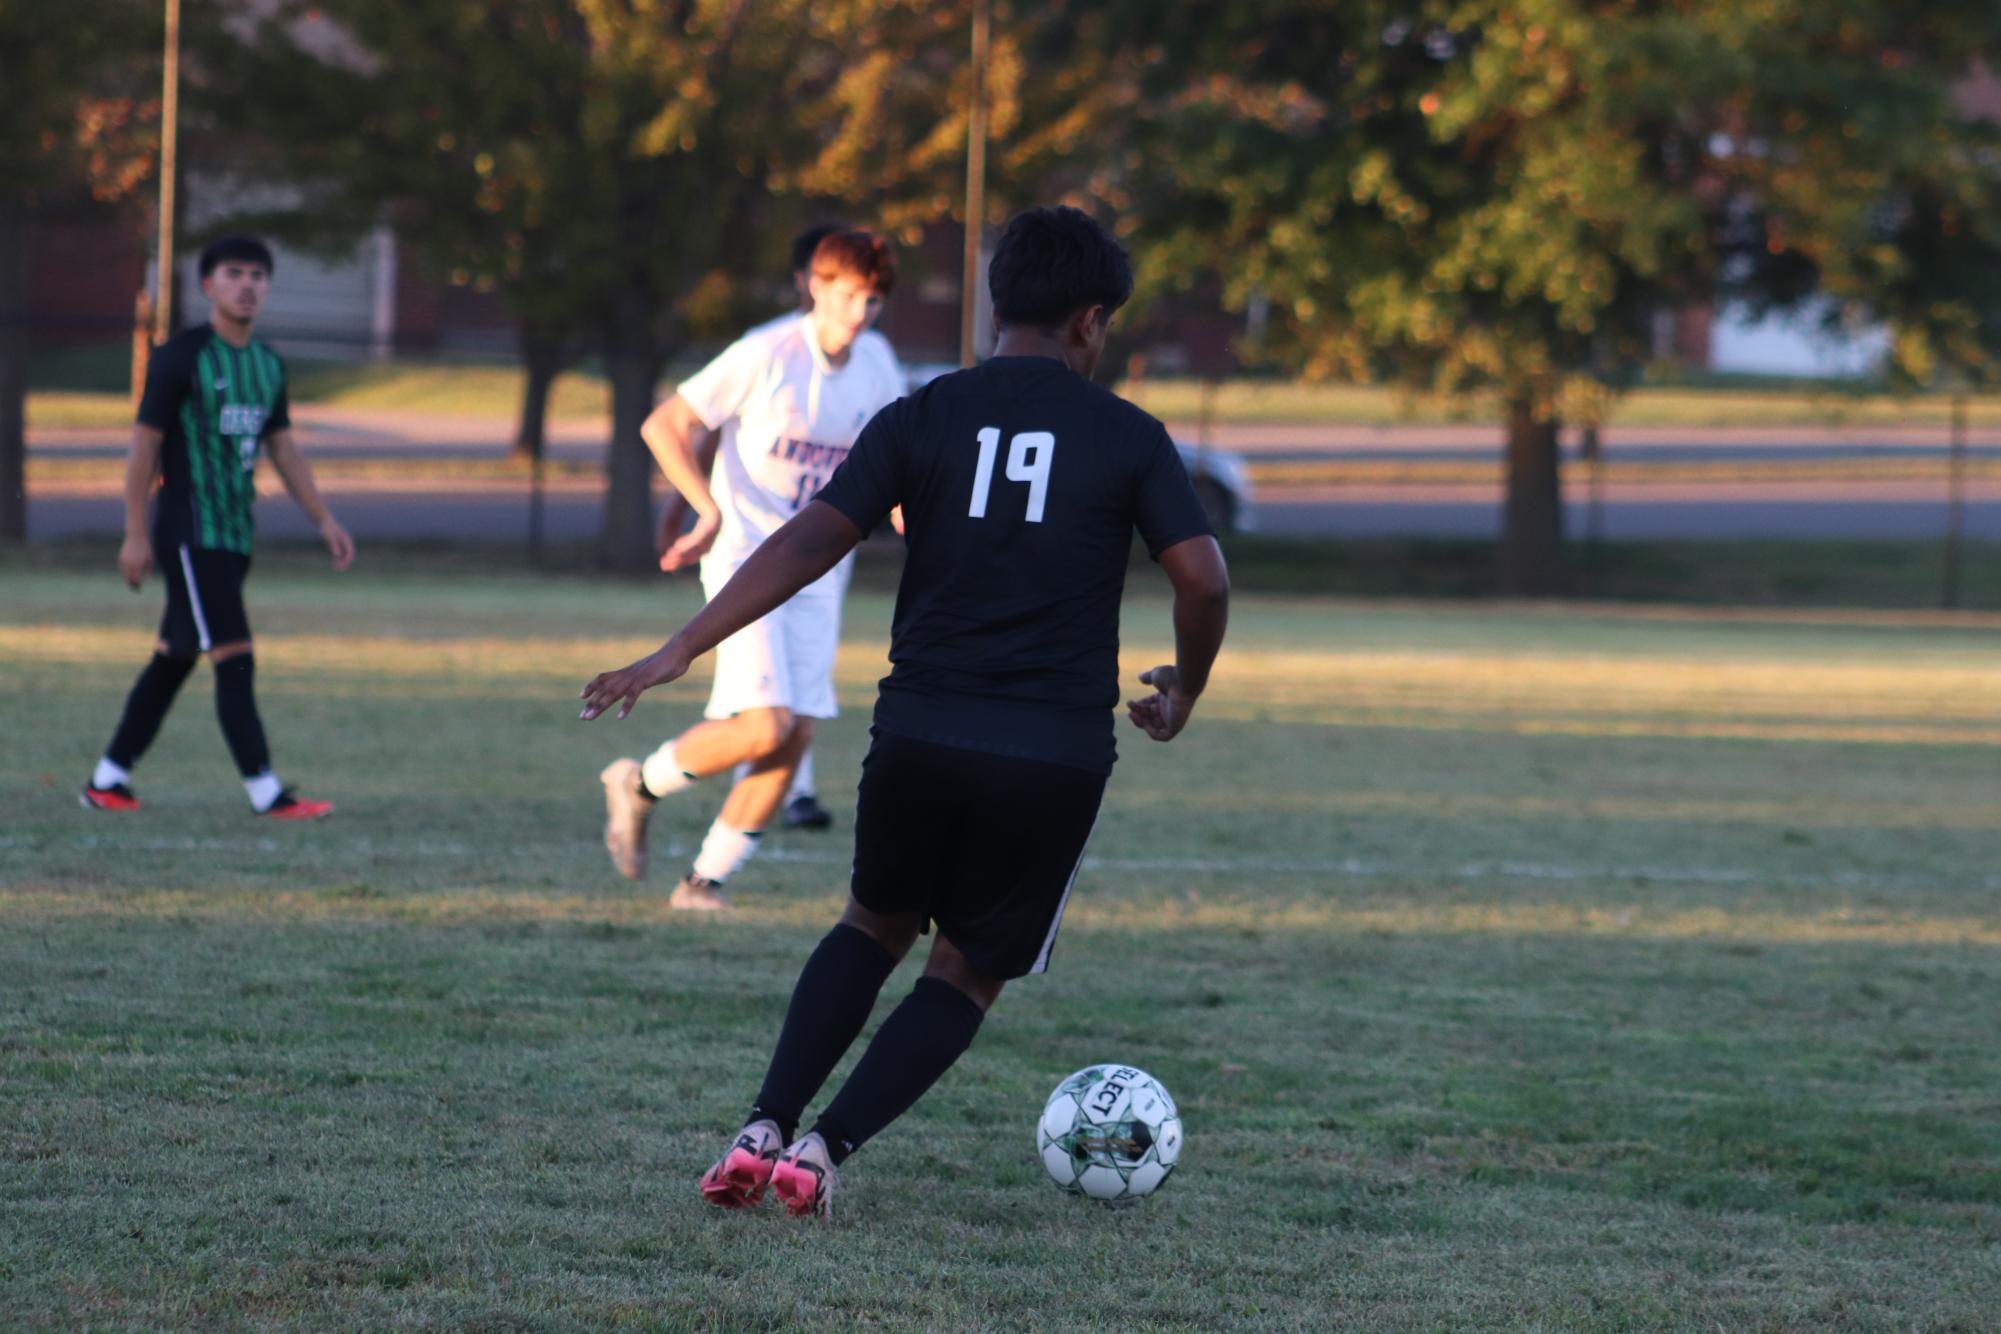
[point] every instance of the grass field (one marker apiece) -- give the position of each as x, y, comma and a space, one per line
1514, 968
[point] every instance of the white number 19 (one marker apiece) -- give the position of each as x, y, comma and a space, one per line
1028, 457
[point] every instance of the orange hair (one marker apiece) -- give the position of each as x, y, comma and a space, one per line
856, 254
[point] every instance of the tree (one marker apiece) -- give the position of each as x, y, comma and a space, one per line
70, 130
1503, 195
599, 163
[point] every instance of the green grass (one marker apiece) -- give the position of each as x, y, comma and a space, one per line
476, 391
1554, 968
86, 388
1782, 574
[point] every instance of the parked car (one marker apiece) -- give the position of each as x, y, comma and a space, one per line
1222, 479
1223, 484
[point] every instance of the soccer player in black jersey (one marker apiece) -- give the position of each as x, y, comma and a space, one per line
214, 397
1022, 485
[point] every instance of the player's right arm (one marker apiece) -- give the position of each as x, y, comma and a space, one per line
142, 466
811, 543
675, 508
1201, 614
168, 371
670, 432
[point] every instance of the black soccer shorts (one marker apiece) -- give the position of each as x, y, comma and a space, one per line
987, 846
204, 599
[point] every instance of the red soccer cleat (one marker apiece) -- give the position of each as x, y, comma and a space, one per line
738, 1181
117, 797
804, 1179
290, 807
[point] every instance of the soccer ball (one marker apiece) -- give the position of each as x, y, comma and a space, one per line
1110, 1132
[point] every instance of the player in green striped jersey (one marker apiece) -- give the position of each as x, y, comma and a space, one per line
215, 396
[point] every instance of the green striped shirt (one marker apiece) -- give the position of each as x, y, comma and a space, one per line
215, 404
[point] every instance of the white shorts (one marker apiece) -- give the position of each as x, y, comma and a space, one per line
785, 660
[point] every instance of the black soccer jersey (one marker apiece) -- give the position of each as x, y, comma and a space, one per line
1021, 484
215, 404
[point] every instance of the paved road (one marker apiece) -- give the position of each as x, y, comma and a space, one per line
1642, 513
498, 510
1637, 513
366, 433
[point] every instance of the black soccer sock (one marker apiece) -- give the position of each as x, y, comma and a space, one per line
837, 989
236, 709
146, 707
914, 1047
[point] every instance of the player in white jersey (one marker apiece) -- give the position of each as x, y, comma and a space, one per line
801, 808
787, 401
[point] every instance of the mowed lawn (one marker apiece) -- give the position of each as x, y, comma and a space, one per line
1514, 968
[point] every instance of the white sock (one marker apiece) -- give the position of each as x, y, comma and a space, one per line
802, 779
662, 773
109, 774
263, 790
724, 851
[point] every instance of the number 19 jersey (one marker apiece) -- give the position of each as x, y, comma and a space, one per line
1022, 484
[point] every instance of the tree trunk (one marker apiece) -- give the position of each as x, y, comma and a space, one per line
13, 373
542, 361
632, 360
1532, 517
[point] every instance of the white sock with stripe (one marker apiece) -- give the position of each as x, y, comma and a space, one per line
109, 775
263, 789
662, 773
724, 851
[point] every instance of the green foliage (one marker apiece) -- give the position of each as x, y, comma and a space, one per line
619, 171
565, 154
81, 113
1459, 194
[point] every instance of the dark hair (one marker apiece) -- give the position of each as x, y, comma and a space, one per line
242, 249
863, 255
804, 244
1052, 263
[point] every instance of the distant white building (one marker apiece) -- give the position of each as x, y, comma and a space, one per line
1798, 343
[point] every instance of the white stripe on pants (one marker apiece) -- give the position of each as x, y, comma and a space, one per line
1049, 941
194, 599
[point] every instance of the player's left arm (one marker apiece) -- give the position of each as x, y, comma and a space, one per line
297, 474
1170, 518
1201, 581
808, 546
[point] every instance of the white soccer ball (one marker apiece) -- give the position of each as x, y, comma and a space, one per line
1110, 1132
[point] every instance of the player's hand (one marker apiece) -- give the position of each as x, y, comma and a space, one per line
627, 684
135, 560
338, 542
1164, 713
671, 516
896, 519
692, 545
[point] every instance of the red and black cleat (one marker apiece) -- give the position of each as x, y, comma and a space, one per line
739, 1179
117, 797
290, 806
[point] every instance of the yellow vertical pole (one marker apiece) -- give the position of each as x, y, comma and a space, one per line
976, 180
170, 102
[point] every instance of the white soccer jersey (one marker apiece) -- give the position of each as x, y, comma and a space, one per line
786, 420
